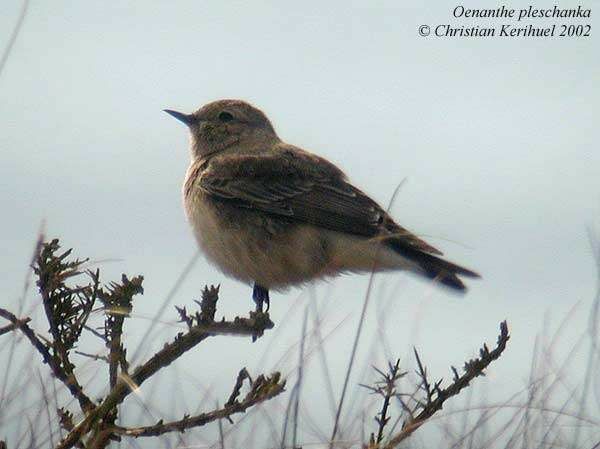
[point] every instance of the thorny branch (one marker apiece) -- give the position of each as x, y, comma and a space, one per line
261, 390
12, 327
386, 388
68, 308
435, 396
117, 302
69, 381
182, 343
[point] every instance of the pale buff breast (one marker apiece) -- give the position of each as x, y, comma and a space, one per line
252, 247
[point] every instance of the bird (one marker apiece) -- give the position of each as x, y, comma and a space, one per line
274, 215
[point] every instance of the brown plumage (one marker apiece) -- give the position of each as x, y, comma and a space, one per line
271, 213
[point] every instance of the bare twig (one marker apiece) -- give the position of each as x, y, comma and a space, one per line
95, 332
437, 397
118, 303
262, 389
388, 392
12, 327
69, 381
242, 375
97, 357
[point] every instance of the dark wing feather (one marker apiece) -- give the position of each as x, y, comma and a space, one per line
302, 187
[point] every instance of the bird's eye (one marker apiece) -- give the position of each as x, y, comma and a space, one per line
225, 116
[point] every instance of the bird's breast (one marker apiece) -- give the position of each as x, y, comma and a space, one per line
252, 246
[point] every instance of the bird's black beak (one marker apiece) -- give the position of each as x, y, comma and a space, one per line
188, 119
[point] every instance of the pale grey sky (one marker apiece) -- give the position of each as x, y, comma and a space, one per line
496, 140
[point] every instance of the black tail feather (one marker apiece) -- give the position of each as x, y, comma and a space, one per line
445, 278
433, 267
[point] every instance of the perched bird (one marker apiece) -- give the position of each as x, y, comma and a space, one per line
269, 213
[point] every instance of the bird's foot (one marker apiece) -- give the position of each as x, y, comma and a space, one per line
260, 295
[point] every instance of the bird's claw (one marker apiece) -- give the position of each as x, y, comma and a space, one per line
260, 295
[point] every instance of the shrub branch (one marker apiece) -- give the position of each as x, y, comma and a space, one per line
69, 381
68, 307
261, 390
436, 396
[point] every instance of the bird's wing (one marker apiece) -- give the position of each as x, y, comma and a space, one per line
301, 187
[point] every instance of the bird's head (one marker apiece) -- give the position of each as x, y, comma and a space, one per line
223, 124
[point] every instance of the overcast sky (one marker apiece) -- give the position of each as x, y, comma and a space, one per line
496, 140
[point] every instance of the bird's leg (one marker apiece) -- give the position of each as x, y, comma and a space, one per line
260, 295
267, 300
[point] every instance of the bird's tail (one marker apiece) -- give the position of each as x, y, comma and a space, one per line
433, 267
